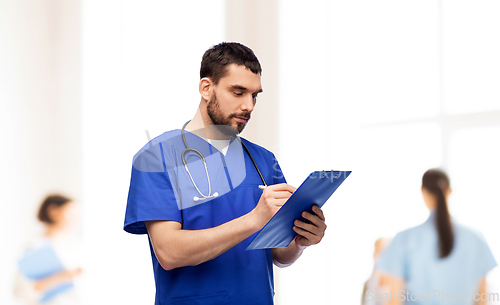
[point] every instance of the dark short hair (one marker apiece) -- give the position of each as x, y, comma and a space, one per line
51, 200
216, 59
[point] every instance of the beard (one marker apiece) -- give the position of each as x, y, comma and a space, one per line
223, 123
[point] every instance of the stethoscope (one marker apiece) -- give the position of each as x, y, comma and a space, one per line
200, 155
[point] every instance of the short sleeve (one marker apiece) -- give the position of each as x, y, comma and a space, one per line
151, 196
486, 261
393, 259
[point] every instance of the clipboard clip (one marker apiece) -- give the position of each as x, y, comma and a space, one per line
332, 174
324, 174
337, 175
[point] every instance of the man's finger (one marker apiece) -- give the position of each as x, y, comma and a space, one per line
313, 218
318, 212
282, 194
307, 227
282, 187
308, 235
279, 202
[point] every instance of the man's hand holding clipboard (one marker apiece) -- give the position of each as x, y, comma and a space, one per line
299, 218
311, 232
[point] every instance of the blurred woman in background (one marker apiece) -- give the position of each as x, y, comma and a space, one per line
439, 261
51, 262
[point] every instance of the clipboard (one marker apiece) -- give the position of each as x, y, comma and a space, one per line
42, 262
315, 190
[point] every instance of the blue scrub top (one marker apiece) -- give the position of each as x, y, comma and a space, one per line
160, 189
414, 256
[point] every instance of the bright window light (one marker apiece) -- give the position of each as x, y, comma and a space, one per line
471, 65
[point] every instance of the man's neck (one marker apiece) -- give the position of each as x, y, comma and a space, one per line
202, 126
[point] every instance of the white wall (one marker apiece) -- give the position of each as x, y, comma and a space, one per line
39, 118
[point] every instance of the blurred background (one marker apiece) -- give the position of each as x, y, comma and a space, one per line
387, 89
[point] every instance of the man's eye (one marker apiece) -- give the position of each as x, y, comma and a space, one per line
238, 93
254, 96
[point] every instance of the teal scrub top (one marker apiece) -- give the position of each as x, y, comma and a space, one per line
160, 189
414, 256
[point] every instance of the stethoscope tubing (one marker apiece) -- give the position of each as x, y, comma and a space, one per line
200, 155
253, 161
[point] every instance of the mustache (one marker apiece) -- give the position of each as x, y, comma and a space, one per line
245, 115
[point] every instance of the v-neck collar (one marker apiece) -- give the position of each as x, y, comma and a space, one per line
211, 147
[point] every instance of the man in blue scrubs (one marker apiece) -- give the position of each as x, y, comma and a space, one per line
199, 220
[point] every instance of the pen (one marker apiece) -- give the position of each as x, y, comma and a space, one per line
262, 186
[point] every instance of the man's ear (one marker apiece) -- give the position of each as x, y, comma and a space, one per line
206, 88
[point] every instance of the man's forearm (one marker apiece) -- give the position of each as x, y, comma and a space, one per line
284, 257
176, 248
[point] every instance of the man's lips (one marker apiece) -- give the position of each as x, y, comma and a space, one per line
241, 119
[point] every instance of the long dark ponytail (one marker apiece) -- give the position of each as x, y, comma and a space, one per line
436, 182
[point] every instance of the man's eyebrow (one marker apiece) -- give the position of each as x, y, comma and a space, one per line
239, 87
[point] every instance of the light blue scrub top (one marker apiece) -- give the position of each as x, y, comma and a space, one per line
160, 189
413, 255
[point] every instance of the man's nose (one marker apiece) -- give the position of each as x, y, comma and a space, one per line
248, 104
